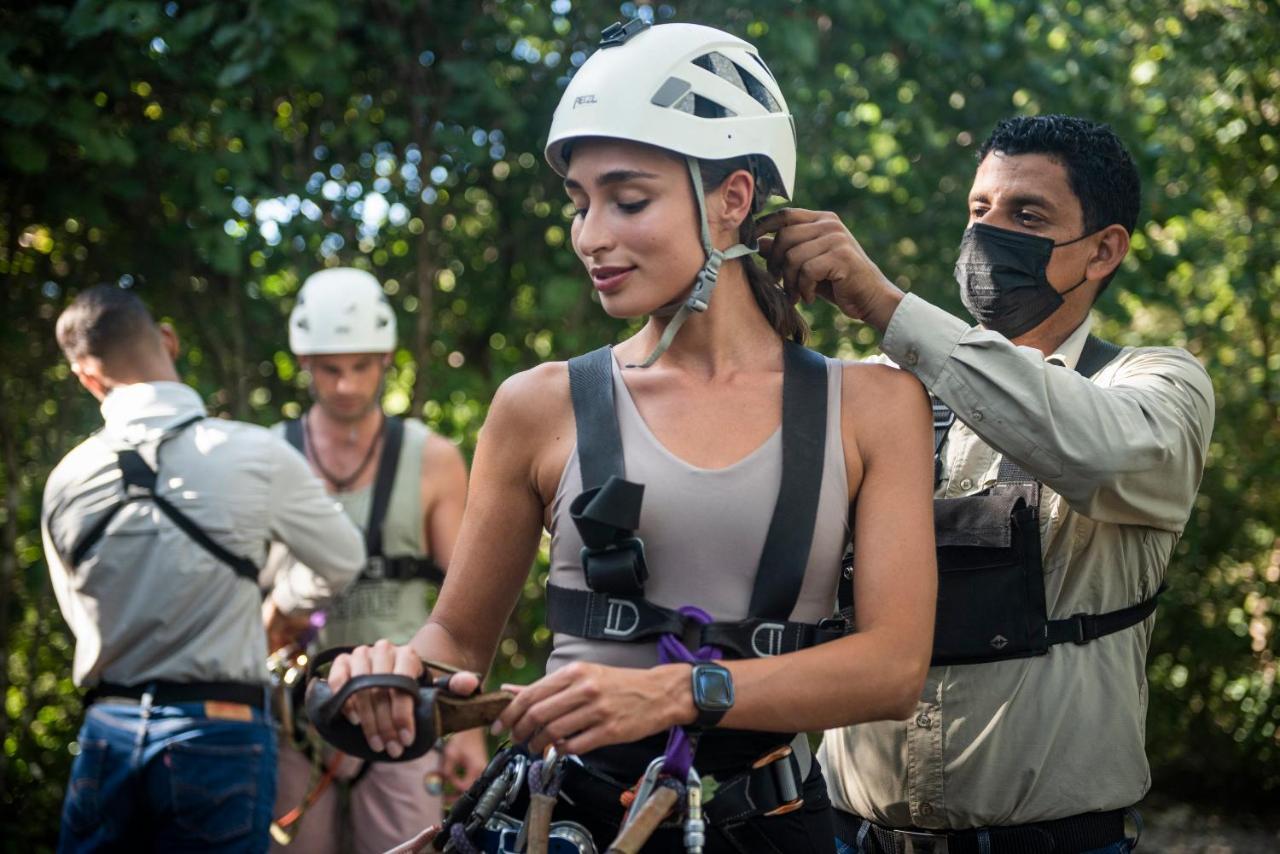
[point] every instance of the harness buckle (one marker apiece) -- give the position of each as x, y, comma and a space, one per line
375, 568
618, 568
918, 842
1083, 624
782, 768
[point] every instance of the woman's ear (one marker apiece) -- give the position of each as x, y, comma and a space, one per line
731, 203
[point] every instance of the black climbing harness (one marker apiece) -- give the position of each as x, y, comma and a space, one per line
380, 566
991, 598
139, 482
607, 514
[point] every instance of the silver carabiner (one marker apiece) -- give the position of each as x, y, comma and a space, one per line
647, 784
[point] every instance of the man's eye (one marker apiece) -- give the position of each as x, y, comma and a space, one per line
580, 212
633, 207
1027, 218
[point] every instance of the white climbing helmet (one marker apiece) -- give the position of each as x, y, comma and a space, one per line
694, 90
341, 310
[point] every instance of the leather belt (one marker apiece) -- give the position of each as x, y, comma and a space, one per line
1076, 833
169, 693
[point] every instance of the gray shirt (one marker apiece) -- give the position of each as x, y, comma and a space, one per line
1120, 456
148, 602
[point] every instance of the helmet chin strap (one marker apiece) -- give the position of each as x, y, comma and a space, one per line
705, 283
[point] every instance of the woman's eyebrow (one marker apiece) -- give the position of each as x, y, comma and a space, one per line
616, 176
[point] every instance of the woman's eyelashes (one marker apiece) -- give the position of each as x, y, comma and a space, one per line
625, 207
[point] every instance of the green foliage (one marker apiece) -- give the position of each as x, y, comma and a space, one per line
212, 155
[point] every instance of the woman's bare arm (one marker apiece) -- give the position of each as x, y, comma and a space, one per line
528, 428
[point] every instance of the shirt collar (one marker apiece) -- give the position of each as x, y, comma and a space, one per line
138, 412
1068, 352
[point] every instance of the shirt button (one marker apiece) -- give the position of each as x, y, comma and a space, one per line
977, 415
912, 357
926, 808
923, 721
966, 484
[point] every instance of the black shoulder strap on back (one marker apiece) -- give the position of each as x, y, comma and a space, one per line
294, 436
139, 481
392, 438
599, 442
1095, 355
804, 438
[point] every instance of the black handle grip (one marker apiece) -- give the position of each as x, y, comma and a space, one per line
324, 709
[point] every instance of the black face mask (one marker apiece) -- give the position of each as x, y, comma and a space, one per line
1002, 278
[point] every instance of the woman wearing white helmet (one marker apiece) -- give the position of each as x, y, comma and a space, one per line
710, 492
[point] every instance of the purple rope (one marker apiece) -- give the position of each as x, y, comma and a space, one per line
671, 650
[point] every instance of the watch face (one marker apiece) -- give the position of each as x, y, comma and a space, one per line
714, 689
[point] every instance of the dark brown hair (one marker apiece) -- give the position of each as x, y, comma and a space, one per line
769, 295
103, 322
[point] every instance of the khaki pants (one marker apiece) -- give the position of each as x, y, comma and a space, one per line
387, 806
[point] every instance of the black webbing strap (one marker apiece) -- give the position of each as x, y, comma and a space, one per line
139, 482
614, 560
602, 616
599, 442
1095, 355
294, 436
804, 436
403, 568
392, 437
1082, 628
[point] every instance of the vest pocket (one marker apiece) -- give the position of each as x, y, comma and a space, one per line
990, 579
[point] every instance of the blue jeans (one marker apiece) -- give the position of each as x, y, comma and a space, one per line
170, 778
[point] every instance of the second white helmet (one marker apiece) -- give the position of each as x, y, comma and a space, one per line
694, 90
341, 310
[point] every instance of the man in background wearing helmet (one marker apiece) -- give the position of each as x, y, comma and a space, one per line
154, 529
406, 487
1029, 734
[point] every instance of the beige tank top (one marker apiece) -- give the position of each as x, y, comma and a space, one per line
379, 608
704, 529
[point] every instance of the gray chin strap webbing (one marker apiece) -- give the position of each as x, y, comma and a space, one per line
700, 297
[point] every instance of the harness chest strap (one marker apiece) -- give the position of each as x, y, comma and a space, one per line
139, 482
378, 565
1078, 628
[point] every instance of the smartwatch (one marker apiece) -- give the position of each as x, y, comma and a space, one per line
712, 693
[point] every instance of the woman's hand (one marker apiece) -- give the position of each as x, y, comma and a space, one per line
386, 715
582, 707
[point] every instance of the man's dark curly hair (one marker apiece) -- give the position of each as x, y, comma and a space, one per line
1100, 169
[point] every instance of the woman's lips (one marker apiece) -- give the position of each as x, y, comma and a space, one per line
609, 279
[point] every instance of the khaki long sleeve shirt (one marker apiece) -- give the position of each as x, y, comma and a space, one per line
1120, 456
148, 602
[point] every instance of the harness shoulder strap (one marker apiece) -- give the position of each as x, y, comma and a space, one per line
392, 438
1096, 355
294, 436
599, 441
139, 482
804, 437
1082, 628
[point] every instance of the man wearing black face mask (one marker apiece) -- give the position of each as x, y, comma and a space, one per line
1064, 479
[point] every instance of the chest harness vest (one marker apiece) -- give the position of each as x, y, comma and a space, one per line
991, 599
139, 481
607, 513
379, 565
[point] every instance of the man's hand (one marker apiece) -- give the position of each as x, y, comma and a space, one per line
464, 757
816, 256
283, 629
386, 715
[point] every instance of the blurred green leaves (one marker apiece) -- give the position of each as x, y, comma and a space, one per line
213, 155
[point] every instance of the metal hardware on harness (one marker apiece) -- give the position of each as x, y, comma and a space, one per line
914, 842
695, 829
788, 785
375, 568
645, 789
